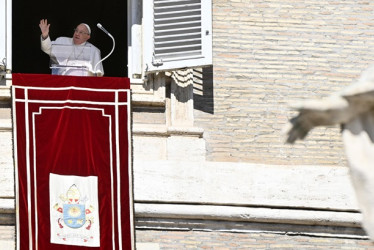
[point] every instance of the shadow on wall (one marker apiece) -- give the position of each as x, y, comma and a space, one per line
203, 90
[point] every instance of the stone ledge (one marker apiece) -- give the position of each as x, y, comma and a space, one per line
149, 129
164, 131
249, 227
5, 125
7, 206
147, 100
5, 93
7, 212
239, 219
249, 219
187, 131
249, 214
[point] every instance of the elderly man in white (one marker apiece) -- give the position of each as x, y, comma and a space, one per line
80, 58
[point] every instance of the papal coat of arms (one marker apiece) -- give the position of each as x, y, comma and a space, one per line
73, 213
73, 218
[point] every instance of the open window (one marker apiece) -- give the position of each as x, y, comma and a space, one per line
176, 34
25, 51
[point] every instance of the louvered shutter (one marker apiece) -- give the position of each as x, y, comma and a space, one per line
177, 34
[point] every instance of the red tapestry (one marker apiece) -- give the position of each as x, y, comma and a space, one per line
72, 149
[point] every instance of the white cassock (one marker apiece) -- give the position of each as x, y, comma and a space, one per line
353, 108
78, 60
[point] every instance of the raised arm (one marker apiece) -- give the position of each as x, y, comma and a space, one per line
44, 28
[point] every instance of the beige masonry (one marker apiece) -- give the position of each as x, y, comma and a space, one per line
269, 53
226, 164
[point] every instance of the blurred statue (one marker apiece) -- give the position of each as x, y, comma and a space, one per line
353, 109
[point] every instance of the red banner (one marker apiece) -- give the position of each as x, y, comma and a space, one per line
72, 149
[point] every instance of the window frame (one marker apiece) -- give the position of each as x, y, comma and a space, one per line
150, 64
6, 33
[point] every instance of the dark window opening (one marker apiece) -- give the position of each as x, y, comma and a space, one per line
64, 17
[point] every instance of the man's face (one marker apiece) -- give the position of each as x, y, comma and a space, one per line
81, 34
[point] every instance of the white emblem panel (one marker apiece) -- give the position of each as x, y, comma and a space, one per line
74, 210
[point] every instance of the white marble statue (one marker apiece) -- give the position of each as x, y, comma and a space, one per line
353, 108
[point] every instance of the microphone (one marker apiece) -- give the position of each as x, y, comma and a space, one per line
103, 29
114, 44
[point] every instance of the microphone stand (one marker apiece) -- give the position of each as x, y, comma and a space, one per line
114, 45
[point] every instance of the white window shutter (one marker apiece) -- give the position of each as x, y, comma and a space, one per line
177, 34
5, 34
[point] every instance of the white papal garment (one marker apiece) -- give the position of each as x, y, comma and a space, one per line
78, 60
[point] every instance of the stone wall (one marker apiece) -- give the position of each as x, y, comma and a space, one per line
6, 162
269, 53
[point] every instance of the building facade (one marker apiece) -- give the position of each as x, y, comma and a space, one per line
209, 148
